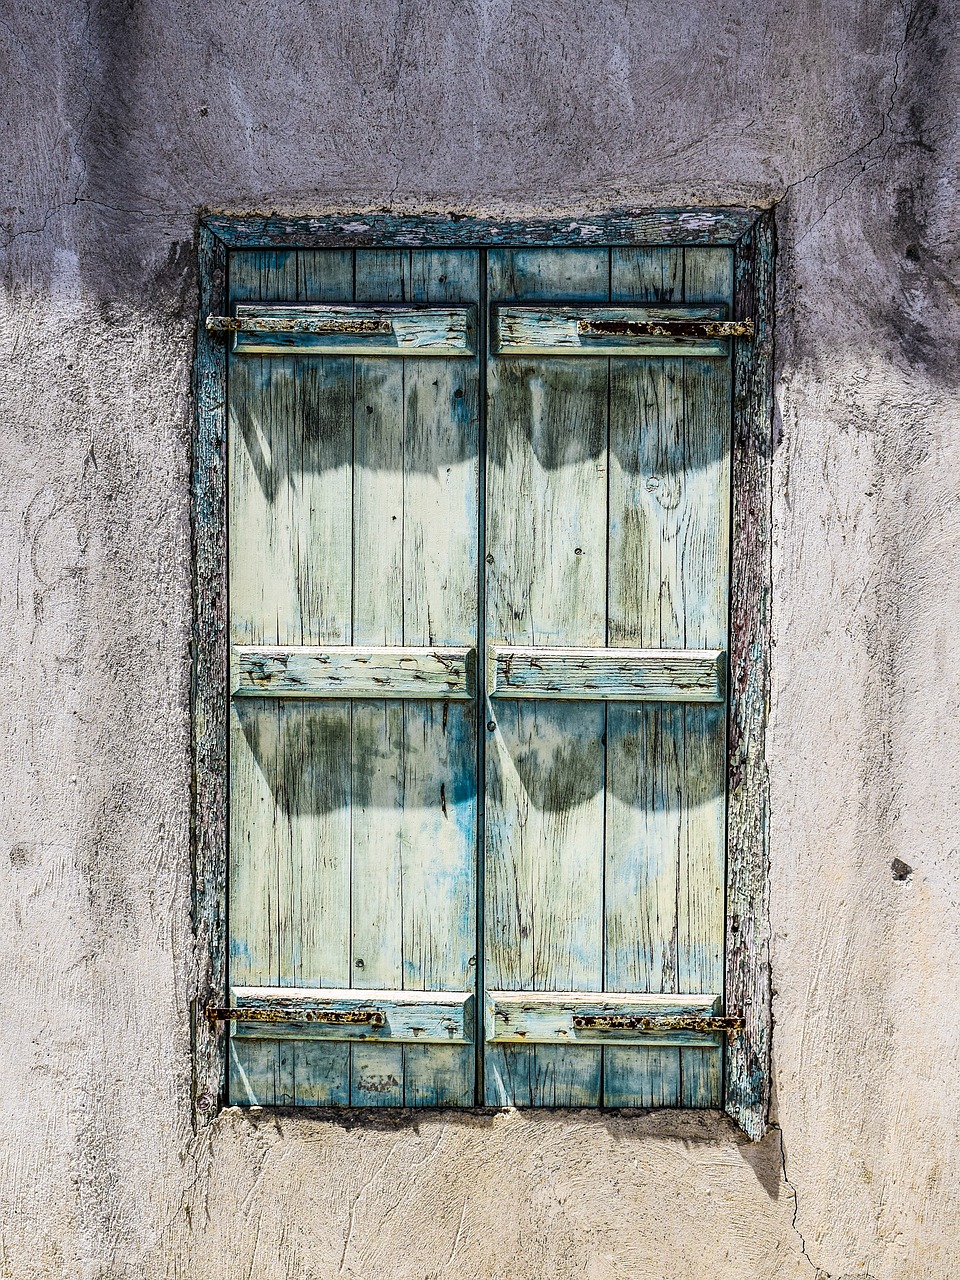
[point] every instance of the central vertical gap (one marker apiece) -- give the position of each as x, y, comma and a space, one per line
349, 703
482, 348
606, 705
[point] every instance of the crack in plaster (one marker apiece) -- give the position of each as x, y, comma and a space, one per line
886, 123
819, 1272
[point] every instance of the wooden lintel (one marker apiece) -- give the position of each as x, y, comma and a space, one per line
614, 675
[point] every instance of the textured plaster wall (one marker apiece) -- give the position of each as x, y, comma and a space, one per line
120, 120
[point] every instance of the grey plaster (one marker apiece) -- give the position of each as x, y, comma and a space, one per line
120, 122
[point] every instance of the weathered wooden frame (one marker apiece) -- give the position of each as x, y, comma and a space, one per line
750, 233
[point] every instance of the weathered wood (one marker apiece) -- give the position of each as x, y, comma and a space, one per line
414, 841
568, 331
669, 486
708, 277
351, 671
440, 574
378, 741
546, 584
621, 227
547, 1017
349, 330
645, 776
747, 1059
290, 448
415, 1017
747, 973
208, 686
597, 675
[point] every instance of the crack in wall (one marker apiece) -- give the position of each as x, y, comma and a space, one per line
886, 124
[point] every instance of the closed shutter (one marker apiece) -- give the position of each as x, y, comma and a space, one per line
607, 522
353, 512
378, 609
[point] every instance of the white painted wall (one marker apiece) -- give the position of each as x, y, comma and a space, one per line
121, 121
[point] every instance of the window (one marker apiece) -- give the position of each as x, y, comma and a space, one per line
464, 501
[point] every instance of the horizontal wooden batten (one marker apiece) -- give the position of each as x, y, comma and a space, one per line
349, 330
396, 1017
613, 331
352, 672
606, 675
552, 1017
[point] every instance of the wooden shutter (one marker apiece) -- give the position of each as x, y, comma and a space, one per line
366, 635
352, 528
607, 519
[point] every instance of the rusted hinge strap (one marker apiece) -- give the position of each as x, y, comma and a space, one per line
666, 328
278, 1013
655, 1022
303, 324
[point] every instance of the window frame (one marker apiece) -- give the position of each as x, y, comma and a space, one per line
751, 235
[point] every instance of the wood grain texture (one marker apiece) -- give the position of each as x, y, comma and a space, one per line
547, 1017
597, 675
416, 515
546, 584
427, 1018
669, 514
208, 686
290, 425
622, 227
387, 330
556, 331
747, 1059
352, 671
707, 409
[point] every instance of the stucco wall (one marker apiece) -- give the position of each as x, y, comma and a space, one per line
120, 121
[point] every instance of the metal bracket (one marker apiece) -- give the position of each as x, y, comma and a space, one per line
655, 1023
666, 328
277, 1013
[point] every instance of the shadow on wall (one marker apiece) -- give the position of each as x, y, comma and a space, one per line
164, 116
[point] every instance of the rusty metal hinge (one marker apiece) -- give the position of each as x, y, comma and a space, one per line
666, 328
656, 1022
281, 1013
303, 324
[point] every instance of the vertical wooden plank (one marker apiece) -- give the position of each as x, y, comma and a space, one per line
440, 574
316, 889
264, 605
209, 692
708, 277
439, 885
290, 457
377, 886
644, 743
747, 976
377, 1071
546, 584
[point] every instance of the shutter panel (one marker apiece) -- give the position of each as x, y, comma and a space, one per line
607, 524
353, 515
